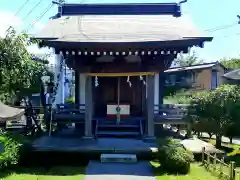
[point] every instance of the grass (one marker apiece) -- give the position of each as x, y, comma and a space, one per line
42, 173
197, 172
233, 151
59, 173
178, 98
228, 145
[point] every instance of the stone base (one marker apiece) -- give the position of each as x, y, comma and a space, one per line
118, 158
151, 139
88, 138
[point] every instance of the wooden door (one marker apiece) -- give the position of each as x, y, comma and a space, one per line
107, 93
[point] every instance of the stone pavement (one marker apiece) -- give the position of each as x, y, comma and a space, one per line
119, 171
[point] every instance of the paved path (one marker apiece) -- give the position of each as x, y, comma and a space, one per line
205, 135
119, 171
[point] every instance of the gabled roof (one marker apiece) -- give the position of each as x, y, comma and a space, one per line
93, 24
194, 67
233, 75
119, 28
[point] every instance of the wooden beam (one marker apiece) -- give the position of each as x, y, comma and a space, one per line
121, 9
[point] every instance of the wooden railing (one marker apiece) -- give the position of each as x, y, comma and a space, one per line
170, 113
219, 167
70, 108
69, 113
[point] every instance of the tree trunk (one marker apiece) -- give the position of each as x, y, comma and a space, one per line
198, 134
210, 135
231, 140
218, 141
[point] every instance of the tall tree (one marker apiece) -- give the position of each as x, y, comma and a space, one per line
17, 69
232, 63
187, 60
217, 109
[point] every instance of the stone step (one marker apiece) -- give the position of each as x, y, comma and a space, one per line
118, 133
118, 158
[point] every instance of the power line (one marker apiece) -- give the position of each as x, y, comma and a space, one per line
221, 27
227, 36
21, 7
39, 17
32, 10
224, 26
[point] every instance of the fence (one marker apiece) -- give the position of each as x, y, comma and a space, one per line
225, 171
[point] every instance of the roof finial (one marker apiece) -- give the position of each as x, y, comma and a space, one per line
238, 19
181, 2
58, 2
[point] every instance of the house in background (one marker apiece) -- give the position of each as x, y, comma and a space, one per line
205, 76
232, 77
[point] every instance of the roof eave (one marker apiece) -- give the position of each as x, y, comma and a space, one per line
199, 41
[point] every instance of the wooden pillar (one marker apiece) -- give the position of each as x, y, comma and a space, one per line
77, 88
150, 107
161, 87
156, 93
88, 108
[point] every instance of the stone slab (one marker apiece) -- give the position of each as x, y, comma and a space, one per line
120, 158
119, 171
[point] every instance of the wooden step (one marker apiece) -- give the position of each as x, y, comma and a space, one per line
117, 126
118, 158
118, 133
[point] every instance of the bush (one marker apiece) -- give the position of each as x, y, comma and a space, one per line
174, 158
70, 100
13, 148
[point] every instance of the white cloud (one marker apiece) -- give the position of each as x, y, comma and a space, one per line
36, 27
9, 19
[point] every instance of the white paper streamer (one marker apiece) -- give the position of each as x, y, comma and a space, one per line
96, 81
141, 79
128, 81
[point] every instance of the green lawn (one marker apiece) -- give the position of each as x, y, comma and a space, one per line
197, 173
234, 155
55, 173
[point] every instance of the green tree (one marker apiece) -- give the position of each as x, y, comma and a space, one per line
216, 108
233, 63
17, 69
187, 60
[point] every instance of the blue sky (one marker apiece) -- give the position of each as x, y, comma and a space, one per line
206, 14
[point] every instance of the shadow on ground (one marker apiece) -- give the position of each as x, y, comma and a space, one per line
49, 163
50, 171
142, 168
159, 171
